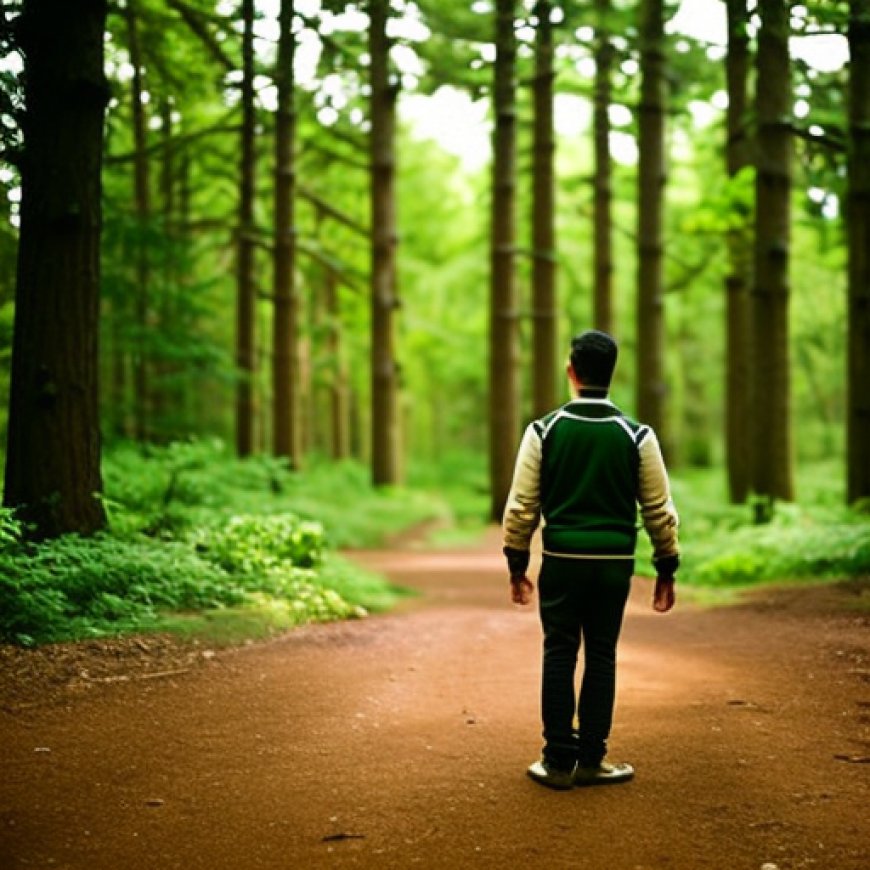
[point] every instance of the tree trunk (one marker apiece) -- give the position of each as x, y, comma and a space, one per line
602, 186
544, 319
858, 216
737, 280
165, 391
53, 450
338, 383
771, 413
504, 412
286, 435
193, 394
384, 380
142, 198
246, 362
651, 388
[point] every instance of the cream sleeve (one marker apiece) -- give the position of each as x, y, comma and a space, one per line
523, 508
657, 508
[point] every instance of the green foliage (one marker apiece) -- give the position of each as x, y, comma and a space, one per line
74, 587
77, 587
802, 546
194, 530
251, 545
10, 530
815, 539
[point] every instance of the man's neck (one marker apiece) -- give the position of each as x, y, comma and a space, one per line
591, 393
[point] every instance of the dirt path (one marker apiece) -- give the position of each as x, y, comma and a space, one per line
401, 741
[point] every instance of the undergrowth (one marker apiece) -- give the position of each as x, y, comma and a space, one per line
815, 538
202, 542
195, 531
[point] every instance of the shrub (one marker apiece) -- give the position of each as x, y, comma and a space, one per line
252, 545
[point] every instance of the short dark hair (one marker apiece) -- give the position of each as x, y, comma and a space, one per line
593, 358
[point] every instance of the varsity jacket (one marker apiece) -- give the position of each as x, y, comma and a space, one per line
584, 470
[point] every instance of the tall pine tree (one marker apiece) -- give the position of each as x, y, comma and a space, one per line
53, 449
504, 420
770, 419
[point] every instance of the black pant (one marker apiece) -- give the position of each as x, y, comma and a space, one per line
580, 598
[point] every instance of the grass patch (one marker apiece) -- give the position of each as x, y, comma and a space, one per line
200, 542
205, 545
817, 538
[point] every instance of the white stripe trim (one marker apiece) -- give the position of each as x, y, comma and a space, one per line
625, 426
580, 418
592, 400
588, 555
549, 426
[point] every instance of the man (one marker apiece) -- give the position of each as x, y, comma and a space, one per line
584, 469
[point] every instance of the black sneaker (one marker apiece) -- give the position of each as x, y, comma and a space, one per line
552, 777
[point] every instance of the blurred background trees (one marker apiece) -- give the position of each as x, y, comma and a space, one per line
298, 199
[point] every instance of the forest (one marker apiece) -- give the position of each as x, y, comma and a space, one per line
278, 278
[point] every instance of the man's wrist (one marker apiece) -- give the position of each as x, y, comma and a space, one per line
666, 566
517, 560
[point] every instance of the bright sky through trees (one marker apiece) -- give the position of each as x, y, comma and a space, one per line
460, 125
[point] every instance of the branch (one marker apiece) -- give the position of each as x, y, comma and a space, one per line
336, 267
331, 211
196, 21
832, 143
177, 141
690, 272
338, 156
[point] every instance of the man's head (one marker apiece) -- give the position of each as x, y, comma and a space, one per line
593, 358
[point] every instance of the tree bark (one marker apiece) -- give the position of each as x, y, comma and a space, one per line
53, 449
858, 234
651, 387
771, 412
544, 318
339, 393
166, 404
737, 279
504, 412
246, 362
286, 434
602, 185
142, 199
384, 376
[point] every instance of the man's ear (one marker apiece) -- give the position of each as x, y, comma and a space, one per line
572, 376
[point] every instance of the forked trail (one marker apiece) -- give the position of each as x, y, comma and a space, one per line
402, 740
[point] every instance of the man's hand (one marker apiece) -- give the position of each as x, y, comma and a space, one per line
665, 596
521, 590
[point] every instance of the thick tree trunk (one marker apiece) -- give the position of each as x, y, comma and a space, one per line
858, 216
544, 319
53, 449
142, 199
771, 412
651, 387
286, 434
246, 362
737, 280
504, 411
602, 185
384, 376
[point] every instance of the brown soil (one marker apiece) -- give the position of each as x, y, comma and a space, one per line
401, 741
